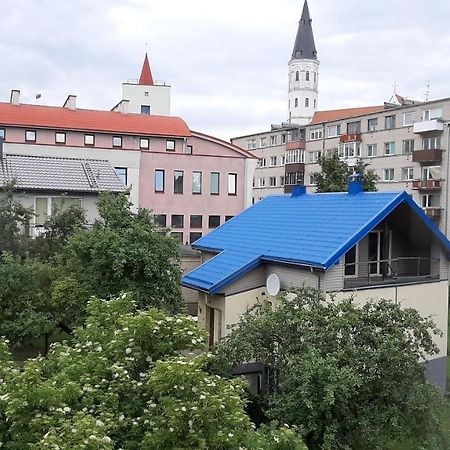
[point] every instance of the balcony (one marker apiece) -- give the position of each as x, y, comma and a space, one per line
433, 213
350, 137
295, 145
427, 185
425, 126
427, 156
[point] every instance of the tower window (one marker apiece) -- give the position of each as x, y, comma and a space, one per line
315, 104
296, 102
297, 75
306, 102
307, 76
314, 77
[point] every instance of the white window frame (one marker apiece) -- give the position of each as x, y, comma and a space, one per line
389, 145
389, 179
407, 173
372, 150
333, 131
261, 182
315, 134
432, 113
144, 143
273, 181
428, 203
350, 150
314, 156
408, 118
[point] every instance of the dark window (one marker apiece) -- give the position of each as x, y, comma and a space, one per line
296, 102
227, 218
170, 145
144, 143
122, 173
30, 135
297, 76
350, 262
372, 124
161, 220
89, 139
159, 180
196, 221
177, 221
145, 109
117, 141
389, 122
307, 76
189, 149
178, 182
213, 221
196, 182
306, 102
215, 180
232, 183
178, 235
60, 138
194, 236
353, 127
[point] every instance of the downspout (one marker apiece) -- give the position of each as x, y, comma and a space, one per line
447, 180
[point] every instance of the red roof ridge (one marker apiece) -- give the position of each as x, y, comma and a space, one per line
146, 77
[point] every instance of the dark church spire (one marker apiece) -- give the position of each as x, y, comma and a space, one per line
304, 47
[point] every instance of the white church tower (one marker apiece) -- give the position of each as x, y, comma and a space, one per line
303, 73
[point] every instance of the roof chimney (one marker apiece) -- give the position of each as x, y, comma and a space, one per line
15, 97
298, 189
123, 106
356, 183
71, 102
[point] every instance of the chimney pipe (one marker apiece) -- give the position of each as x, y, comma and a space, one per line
355, 183
71, 102
15, 97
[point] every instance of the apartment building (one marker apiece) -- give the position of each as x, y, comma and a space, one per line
406, 145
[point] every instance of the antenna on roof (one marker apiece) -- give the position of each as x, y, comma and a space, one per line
427, 92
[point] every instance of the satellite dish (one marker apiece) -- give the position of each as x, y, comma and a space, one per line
273, 284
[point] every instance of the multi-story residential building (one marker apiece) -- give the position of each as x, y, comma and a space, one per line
193, 182
407, 146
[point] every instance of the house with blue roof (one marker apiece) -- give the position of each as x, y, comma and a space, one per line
365, 244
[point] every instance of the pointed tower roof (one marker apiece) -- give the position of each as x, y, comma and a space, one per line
304, 47
146, 74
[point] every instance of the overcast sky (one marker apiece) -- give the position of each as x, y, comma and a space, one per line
226, 61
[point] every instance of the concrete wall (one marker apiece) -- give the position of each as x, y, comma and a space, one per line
157, 97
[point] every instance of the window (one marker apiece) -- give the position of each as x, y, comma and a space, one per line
389, 148
177, 221
146, 94
312, 180
295, 156
316, 133
144, 143
297, 76
350, 149
282, 180
213, 221
170, 145
351, 262
431, 173
178, 236
261, 182
273, 140
371, 150
196, 182
307, 76
314, 156
232, 183
215, 183
189, 149
408, 146
30, 135
251, 144
262, 142
272, 181
60, 138
389, 122
388, 175
294, 178
407, 174
89, 139
333, 131
159, 180
296, 103
431, 201
353, 127
161, 220
46, 206
2, 133
372, 124
117, 141
194, 237
408, 119
145, 109
122, 173
227, 218
430, 114
196, 221
315, 103
273, 160
178, 176
306, 102
283, 139
283, 160
432, 143
315, 76
262, 162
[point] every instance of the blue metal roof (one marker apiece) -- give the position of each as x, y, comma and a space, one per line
315, 230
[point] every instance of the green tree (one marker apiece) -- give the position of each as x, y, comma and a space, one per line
123, 252
335, 173
349, 375
123, 384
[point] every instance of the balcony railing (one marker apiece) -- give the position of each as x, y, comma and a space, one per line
426, 126
427, 185
295, 145
427, 156
433, 212
350, 137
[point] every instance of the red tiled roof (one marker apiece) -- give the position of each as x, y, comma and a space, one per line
336, 114
91, 120
146, 74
